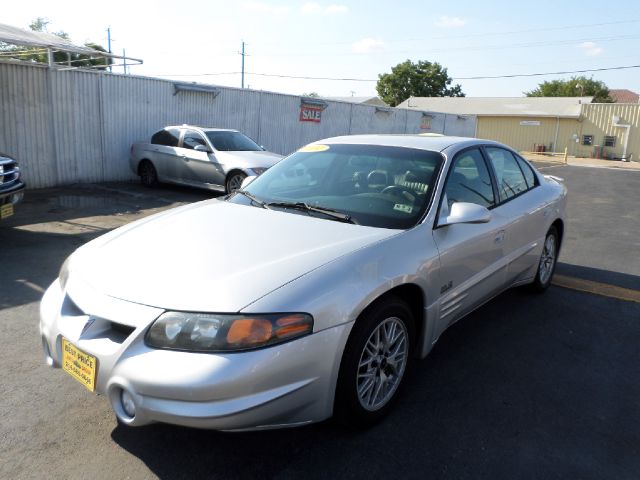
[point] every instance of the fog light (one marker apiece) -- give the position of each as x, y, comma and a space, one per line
128, 405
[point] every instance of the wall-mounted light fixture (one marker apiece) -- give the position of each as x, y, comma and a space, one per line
195, 87
313, 102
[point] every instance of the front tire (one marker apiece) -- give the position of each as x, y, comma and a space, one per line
374, 363
234, 181
548, 260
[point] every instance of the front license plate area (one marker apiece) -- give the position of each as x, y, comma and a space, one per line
6, 210
79, 365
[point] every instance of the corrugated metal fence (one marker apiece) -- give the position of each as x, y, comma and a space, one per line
77, 126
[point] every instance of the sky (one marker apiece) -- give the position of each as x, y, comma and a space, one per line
200, 40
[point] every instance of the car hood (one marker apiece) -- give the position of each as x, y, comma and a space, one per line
248, 159
213, 256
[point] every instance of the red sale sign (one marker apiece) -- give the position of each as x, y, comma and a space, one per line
309, 113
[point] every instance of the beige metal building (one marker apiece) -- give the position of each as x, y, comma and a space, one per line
548, 124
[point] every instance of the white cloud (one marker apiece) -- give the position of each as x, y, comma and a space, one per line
337, 9
450, 22
591, 49
313, 7
368, 45
264, 7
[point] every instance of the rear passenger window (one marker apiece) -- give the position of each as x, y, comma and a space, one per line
528, 172
469, 180
167, 137
511, 181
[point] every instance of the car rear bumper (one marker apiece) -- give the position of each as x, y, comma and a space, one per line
285, 385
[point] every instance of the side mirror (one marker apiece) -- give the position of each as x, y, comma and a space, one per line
247, 181
463, 212
202, 148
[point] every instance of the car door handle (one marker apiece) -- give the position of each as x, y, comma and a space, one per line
184, 157
499, 237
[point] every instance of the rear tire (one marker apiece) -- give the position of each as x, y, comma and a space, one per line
374, 363
234, 181
547, 262
148, 174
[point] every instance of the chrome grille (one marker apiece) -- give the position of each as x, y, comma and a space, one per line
9, 171
94, 326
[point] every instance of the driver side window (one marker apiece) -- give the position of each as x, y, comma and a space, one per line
191, 139
469, 180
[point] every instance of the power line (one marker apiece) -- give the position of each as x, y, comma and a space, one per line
530, 30
478, 35
484, 77
468, 48
547, 73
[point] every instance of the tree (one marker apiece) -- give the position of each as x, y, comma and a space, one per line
574, 87
39, 55
422, 79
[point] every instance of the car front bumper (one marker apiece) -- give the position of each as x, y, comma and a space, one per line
284, 385
12, 195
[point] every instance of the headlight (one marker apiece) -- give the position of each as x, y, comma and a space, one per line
218, 332
259, 171
63, 276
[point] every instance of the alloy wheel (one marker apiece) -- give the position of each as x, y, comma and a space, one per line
382, 364
548, 258
235, 182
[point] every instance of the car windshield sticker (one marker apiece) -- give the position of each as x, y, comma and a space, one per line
401, 207
314, 148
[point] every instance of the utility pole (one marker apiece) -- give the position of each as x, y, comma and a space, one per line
124, 59
243, 55
109, 43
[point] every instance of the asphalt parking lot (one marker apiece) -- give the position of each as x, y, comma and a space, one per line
528, 386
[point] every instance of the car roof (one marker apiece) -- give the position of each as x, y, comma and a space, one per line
432, 142
204, 129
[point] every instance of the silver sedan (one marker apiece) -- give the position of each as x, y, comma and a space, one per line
306, 293
210, 158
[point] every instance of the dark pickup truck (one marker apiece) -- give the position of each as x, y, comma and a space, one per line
11, 187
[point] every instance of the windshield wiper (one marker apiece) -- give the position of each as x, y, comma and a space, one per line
254, 199
329, 212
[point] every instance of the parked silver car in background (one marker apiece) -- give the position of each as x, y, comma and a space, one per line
308, 292
212, 158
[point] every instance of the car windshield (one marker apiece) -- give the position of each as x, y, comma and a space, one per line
379, 186
232, 142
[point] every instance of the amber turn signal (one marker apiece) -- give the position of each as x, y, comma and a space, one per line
247, 331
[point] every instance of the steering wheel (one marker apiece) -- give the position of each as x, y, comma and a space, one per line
400, 191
